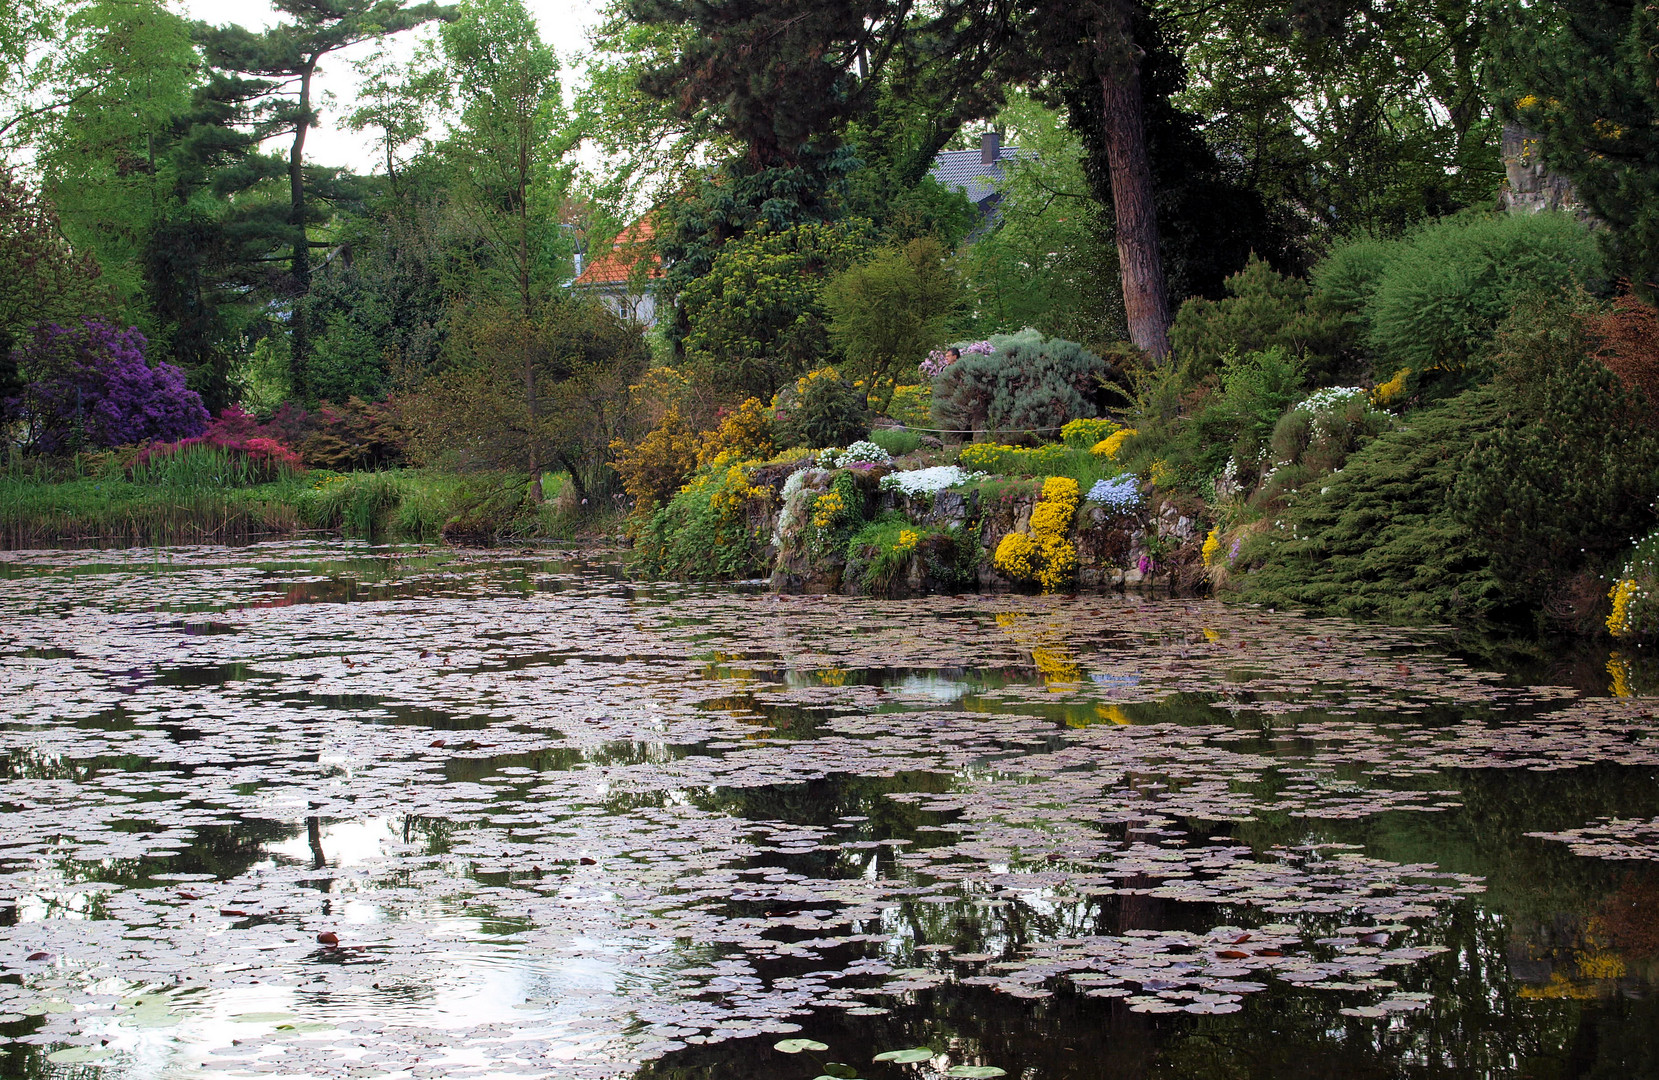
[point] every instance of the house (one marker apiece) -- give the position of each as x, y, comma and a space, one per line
977, 173
621, 277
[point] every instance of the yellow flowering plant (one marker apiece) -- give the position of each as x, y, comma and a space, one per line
1045, 555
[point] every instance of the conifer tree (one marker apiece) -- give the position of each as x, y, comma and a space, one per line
285, 60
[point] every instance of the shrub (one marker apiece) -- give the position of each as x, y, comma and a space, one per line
1264, 309
653, 470
1571, 471
1379, 539
897, 442
356, 435
1086, 434
1315, 438
884, 312
1627, 340
1187, 433
911, 405
1028, 384
745, 434
821, 409
1439, 299
234, 451
703, 531
88, 385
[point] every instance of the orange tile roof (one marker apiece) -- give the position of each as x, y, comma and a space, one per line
617, 265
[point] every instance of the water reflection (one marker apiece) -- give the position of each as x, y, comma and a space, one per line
542, 823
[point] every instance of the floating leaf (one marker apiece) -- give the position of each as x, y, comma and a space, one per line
906, 1057
795, 1046
75, 1055
975, 1072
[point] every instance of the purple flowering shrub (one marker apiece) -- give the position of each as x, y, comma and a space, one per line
88, 385
938, 360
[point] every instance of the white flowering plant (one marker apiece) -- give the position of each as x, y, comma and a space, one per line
928, 481
863, 452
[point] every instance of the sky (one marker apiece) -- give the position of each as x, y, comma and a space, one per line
564, 24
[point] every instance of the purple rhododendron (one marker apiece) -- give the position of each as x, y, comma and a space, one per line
89, 385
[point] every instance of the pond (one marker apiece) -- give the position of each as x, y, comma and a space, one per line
326, 809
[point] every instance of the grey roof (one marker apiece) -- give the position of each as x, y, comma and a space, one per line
967, 172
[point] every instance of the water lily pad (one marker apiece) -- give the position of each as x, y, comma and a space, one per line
975, 1072
262, 1017
795, 1046
906, 1057
78, 1055
841, 1070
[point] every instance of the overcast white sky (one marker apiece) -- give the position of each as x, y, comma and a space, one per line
564, 25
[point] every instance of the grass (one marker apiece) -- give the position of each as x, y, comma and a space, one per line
94, 498
1052, 459
897, 442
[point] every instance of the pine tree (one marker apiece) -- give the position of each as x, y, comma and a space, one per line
1584, 76
284, 59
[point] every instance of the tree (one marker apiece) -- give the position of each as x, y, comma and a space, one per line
505, 155
887, 312
756, 319
41, 277
1344, 115
1584, 76
285, 58
532, 395
128, 69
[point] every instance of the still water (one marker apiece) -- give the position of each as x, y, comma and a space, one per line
326, 809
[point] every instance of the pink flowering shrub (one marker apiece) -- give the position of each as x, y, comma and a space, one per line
246, 446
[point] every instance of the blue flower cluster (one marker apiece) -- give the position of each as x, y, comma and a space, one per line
1123, 493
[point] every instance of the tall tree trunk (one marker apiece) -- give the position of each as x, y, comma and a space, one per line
299, 337
1141, 266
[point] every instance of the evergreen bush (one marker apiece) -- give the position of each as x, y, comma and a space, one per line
1029, 383
821, 409
1264, 309
1448, 286
1569, 474
1379, 539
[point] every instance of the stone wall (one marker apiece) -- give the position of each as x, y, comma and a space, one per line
1110, 546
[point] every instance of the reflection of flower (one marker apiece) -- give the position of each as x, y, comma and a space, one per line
1619, 669
1049, 651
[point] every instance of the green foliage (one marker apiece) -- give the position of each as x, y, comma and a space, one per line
706, 531
1571, 471
1264, 309
1583, 75
1050, 459
1188, 432
1050, 262
1029, 383
821, 409
882, 551
1438, 300
1379, 539
886, 313
757, 318
41, 278
896, 441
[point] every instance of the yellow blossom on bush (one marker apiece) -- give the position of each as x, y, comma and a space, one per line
1050, 519
909, 405
908, 540
1059, 562
1087, 432
1388, 392
1111, 445
1016, 557
1062, 489
744, 435
1623, 594
1161, 473
827, 508
1212, 546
